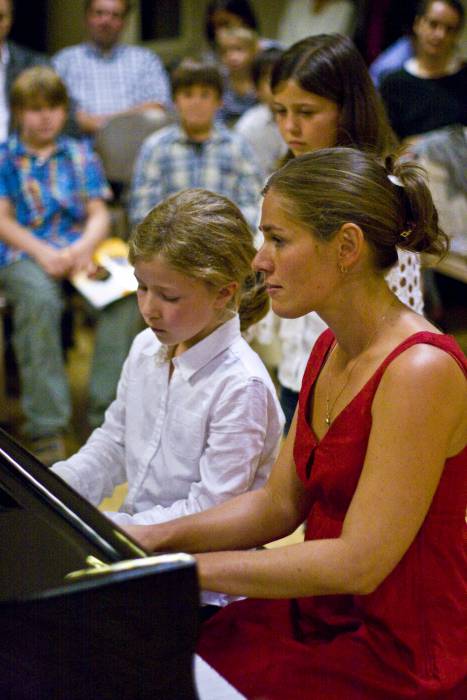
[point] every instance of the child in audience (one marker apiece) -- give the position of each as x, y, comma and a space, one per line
196, 419
196, 152
237, 47
323, 97
257, 124
52, 217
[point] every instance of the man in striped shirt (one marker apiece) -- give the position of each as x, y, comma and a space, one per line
106, 77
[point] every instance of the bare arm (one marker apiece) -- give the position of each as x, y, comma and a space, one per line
51, 260
413, 433
95, 229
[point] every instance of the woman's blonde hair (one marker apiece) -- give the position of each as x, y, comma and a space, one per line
204, 235
391, 203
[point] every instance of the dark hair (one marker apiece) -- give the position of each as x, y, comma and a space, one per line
204, 235
127, 3
37, 86
324, 189
331, 66
241, 8
190, 72
424, 5
263, 64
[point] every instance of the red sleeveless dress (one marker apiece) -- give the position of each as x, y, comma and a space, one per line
408, 639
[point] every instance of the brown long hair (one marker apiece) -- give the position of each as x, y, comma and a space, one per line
331, 66
324, 189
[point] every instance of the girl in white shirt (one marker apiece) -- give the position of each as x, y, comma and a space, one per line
196, 419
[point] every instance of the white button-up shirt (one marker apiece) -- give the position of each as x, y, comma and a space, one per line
186, 442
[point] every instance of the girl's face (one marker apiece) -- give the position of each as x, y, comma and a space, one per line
179, 309
299, 269
306, 121
236, 54
39, 126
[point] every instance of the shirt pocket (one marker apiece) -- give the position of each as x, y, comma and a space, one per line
187, 434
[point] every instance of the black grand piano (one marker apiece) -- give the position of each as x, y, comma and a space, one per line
85, 613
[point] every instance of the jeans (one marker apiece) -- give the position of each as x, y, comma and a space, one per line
38, 302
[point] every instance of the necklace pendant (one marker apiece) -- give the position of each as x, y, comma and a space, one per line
327, 420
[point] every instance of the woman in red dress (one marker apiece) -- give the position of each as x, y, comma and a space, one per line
371, 606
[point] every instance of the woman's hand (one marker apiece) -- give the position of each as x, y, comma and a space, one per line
144, 535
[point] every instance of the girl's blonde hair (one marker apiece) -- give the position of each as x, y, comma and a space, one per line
204, 235
391, 203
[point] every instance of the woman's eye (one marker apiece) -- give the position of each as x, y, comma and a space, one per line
170, 299
278, 241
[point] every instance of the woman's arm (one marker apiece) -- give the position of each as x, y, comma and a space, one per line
419, 419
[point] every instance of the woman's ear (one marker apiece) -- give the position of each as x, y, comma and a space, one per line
225, 294
351, 242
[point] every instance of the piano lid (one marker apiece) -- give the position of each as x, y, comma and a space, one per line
47, 530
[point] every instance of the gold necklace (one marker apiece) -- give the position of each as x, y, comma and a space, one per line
329, 408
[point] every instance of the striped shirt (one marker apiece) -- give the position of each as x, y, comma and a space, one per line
168, 162
115, 81
49, 195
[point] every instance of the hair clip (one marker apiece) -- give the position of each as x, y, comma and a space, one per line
406, 233
395, 180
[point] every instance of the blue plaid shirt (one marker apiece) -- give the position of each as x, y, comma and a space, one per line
168, 162
49, 195
115, 81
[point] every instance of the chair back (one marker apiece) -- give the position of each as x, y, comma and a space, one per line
119, 141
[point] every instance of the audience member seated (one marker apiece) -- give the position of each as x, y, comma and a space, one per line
302, 18
196, 419
237, 48
430, 91
52, 217
323, 97
196, 152
229, 14
372, 604
13, 60
258, 125
105, 77
392, 58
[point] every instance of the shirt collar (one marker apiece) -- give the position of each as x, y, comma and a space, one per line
94, 50
197, 357
218, 134
17, 147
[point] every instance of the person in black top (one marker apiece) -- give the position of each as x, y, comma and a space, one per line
430, 91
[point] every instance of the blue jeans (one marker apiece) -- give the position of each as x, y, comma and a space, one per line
38, 303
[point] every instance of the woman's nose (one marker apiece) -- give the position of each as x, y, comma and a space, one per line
261, 261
